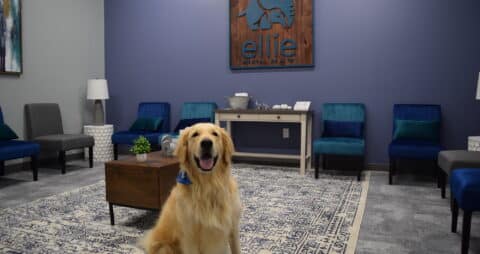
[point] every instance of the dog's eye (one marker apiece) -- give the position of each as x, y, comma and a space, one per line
215, 134
195, 135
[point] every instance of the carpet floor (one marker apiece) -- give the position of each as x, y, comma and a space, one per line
407, 217
283, 212
410, 217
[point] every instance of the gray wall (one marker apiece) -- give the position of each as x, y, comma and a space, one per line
63, 47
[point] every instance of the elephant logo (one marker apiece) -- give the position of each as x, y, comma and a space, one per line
264, 13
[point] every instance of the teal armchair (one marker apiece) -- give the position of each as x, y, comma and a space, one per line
343, 134
192, 113
195, 110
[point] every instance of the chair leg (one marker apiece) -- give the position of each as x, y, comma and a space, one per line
360, 168
467, 221
90, 156
63, 161
115, 151
112, 217
317, 165
2, 168
391, 171
454, 207
33, 165
443, 182
452, 201
438, 174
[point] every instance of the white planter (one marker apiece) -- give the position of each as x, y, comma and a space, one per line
141, 157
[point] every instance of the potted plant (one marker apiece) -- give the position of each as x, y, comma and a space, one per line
141, 147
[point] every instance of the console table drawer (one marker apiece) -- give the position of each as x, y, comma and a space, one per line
238, 117
280, 118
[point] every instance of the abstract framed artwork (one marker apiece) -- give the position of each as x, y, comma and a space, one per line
271, 34
10, 37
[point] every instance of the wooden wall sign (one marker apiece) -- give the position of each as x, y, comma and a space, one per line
271, 34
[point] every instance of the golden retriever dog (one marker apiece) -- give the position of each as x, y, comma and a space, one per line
201, 216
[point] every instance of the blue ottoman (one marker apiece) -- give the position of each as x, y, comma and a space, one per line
465, 187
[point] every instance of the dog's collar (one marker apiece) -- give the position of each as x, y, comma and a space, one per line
182, 178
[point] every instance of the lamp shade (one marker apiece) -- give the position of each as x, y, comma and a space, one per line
97, 89
478, 87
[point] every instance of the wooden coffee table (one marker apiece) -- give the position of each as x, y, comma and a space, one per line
144, 185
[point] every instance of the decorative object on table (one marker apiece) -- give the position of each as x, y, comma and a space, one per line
141, 147
10, 37
149, 110
239, 101
44, 126
97, 90
102, 134
281, 106
302, 105
168, 143
271, 34
261, 106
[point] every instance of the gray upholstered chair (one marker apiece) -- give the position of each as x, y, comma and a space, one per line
44, 126
455, 159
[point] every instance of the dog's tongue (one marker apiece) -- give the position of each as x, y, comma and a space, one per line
206, 163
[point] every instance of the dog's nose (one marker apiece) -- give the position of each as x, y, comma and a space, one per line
206, 144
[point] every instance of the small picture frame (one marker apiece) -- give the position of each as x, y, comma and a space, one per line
302, 105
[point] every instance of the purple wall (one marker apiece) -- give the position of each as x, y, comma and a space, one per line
372, 51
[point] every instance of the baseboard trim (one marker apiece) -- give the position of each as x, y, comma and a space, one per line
290, 163
24, 164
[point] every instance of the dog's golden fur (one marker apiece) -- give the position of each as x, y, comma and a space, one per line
201, 218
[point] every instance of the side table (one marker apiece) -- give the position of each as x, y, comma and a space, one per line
103, 149
474, 143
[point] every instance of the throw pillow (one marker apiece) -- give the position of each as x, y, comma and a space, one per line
342, 129
6, 133
411, 129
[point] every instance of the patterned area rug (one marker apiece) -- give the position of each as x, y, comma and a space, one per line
283, 213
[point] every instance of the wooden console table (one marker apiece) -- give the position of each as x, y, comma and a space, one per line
304, 118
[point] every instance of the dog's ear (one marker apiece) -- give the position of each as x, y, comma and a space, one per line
181, 151
228, 148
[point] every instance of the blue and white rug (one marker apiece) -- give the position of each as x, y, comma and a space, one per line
283, 212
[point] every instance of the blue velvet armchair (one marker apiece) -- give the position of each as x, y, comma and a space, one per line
343, 134
14, 149
416, 134
145, 110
